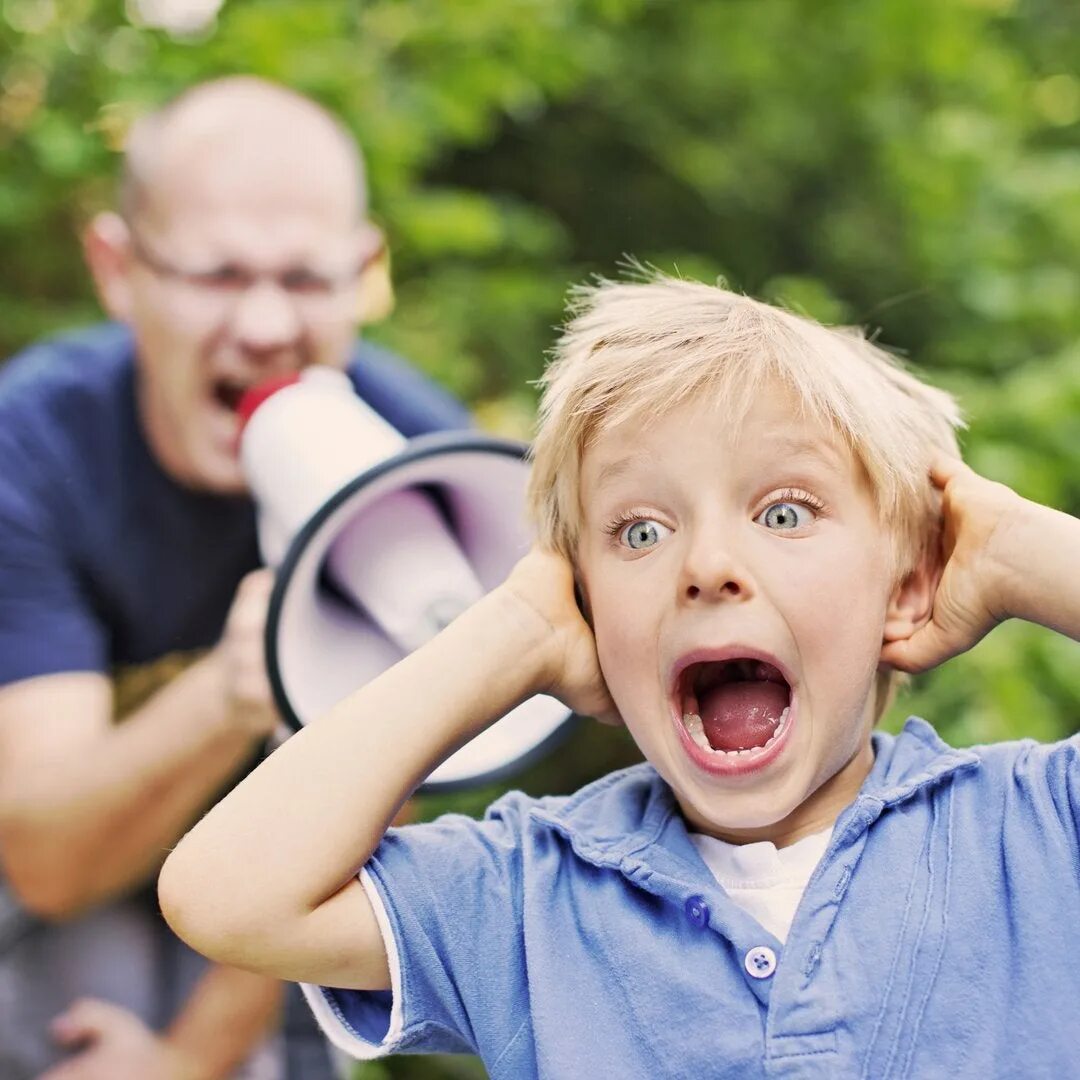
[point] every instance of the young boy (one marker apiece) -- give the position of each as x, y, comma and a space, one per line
752, 506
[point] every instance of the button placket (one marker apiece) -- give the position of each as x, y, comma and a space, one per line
697, 911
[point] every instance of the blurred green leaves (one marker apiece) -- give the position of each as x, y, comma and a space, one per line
909, 165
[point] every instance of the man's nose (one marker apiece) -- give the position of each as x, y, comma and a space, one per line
266, 319
713, 570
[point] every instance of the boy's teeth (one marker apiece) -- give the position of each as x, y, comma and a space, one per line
697, 732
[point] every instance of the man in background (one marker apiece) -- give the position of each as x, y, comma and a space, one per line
132, 684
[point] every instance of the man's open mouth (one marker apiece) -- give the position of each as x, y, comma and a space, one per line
733, 706
228, 392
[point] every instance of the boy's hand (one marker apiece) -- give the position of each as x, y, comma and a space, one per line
979, 548
542, 583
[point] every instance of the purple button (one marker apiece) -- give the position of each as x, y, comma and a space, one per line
697, 911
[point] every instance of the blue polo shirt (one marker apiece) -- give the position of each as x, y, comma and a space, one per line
584, 937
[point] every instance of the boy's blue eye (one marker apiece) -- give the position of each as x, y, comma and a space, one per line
785, 515
646, 533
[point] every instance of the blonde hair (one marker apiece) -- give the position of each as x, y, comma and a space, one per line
633, 349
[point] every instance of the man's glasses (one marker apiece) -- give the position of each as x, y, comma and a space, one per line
229, 280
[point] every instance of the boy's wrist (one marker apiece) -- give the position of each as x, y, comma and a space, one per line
528, 633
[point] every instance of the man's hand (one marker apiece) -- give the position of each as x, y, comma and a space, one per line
543, 584
241, 657
110, 1043
982, 555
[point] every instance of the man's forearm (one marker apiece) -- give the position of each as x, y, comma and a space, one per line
225, 1018
87, 825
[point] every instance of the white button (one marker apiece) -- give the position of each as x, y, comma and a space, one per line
760, 962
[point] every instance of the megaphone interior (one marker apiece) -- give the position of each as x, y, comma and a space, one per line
379, 542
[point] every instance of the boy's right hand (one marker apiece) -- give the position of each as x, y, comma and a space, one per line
542, 586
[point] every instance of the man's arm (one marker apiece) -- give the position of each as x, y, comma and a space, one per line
225, 1018
88, 808
271, 887
228, 1013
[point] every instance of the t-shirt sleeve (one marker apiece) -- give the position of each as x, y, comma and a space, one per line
47, 624
403, 396
448, 897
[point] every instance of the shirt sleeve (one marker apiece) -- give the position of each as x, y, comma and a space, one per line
47, 623
403, 396
447, 896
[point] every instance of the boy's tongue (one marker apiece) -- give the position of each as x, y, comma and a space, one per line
740, 715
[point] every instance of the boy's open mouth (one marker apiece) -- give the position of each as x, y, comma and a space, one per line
733, 706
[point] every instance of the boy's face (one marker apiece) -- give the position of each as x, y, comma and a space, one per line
732, 575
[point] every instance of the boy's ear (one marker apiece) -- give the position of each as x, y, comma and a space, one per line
107, 250
912, 601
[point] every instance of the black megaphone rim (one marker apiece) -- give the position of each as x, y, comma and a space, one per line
436, 444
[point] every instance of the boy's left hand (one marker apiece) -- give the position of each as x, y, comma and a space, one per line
981, 526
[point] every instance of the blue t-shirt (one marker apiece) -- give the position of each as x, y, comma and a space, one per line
107, 563
104, 559
585, 937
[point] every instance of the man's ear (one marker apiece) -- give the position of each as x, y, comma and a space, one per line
107, 250
376, 286
912, 601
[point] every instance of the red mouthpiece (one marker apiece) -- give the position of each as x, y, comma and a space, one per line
256, 395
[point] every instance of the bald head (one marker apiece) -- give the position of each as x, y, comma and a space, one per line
239, 257
238, 132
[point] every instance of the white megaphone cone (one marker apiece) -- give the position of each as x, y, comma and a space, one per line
379, 543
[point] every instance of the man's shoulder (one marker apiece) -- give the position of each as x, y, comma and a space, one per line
67, 371
66, 405
403, 395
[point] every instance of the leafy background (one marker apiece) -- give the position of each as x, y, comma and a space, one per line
912, 166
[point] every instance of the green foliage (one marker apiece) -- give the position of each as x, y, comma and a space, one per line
909, 165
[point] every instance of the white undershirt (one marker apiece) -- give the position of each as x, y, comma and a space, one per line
765, 881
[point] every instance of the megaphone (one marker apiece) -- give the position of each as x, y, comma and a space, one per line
379, 542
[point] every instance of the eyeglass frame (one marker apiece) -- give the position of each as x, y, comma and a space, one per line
323, 286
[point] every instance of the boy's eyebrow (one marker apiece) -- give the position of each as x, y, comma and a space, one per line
789, 447
801, 447
615, 470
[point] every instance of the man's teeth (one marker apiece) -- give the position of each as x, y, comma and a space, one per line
697, 732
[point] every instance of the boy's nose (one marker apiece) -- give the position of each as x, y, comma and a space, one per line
713, 572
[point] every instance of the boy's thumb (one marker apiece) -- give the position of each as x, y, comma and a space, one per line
926, 648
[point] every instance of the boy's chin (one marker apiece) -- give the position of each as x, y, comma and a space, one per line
746, 819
